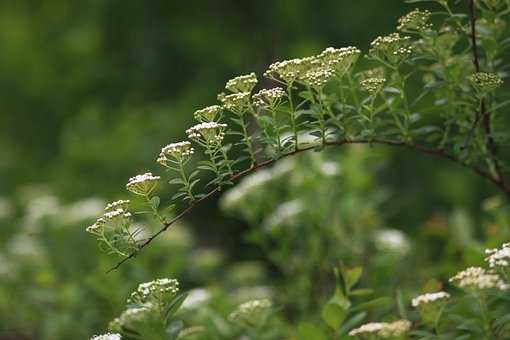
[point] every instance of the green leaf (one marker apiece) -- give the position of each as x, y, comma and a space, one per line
175, 181
352, 276
308, 330
379, 302
175, 305
353, 322
333, 313
155, 202
178, 195
361, 292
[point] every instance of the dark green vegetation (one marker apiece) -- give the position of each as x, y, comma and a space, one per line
92, 92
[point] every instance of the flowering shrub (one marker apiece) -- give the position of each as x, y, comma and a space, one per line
324, 100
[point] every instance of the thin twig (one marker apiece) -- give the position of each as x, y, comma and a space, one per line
419, 148
482, 113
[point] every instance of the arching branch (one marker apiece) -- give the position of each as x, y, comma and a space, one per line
416, 147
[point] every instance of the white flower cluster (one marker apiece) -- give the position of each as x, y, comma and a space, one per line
209, 133
392, 47
415, 21
499, 257
236, 102
117, 216
244, 83
429, 298
143, 184
477, 278
285, 214
392, 240
153, 291
340, 60
247, 185
372, 85
315, 71
485, 82
250, 309
383, 329
107, 336
317, 77
179, 152
287, 70
131, 315
208, 114
120, 204
268, 97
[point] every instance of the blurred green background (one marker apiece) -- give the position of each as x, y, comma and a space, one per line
90, 91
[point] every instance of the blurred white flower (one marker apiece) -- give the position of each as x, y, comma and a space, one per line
107, 336
143, 184
330, 168
499, 257
82, 210
252, 292
383, 329
478, 279
149, 292
39, 208
24, 245
429, 298
284, 214
247, 185
196, 298
392, 240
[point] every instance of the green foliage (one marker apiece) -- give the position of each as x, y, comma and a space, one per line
331, 243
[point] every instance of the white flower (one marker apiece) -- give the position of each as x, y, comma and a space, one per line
392, 240
268, 97
317, 77
392, 47
246, 186
122, 204
112, 218
154, 290
415, 21
208, 133
207, 114
244, 83
341, 60
143, 184
329, 168
176, 152
285, 214
383, 329
251, 310
196, 298
114, 214
287, 70
372, 327
130, 315
107, 336
372, 85
485, 82
429, 298
236, 102
499, 257
477, 278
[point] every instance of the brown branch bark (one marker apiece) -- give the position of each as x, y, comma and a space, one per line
419, 148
